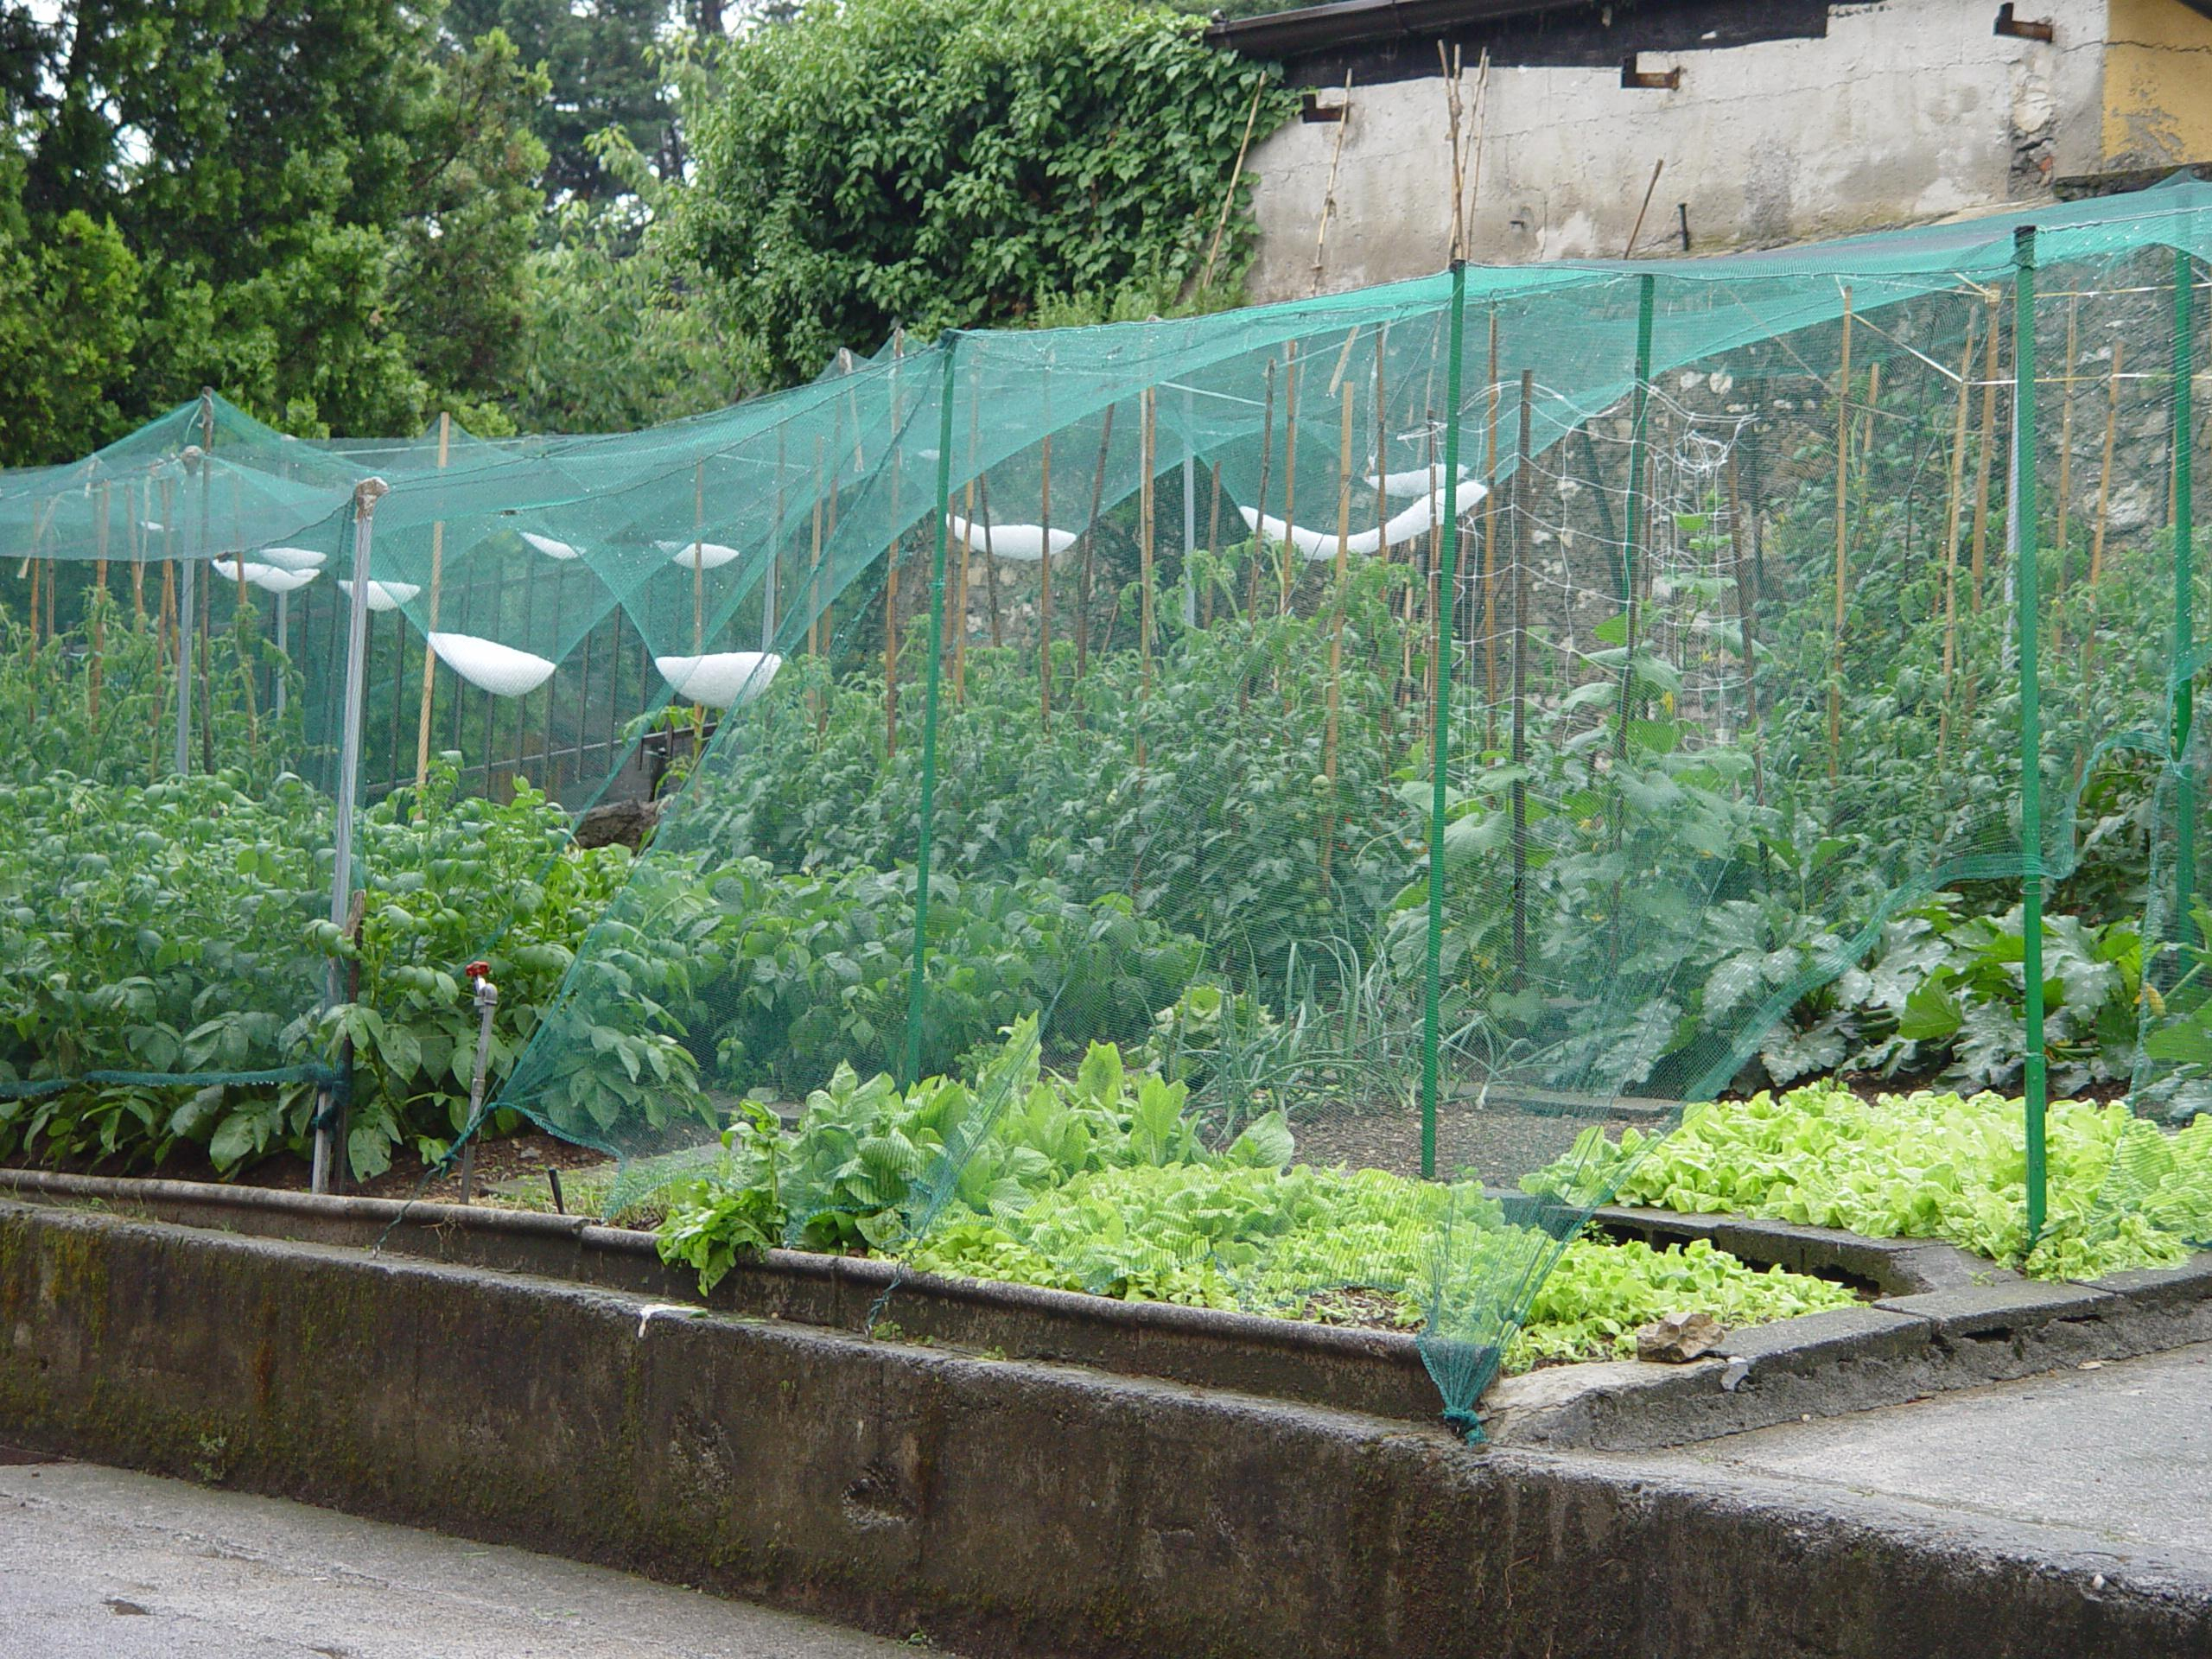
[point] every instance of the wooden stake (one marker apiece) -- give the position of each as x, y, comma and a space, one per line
1044, 589
1089, 546
1228, 195
1450, 67
1337, 633
2104, 501
966, 546
1842, 484
814, 629
99, 609
135, 517
1636, 229
1490, 559
1873, 405
1213, 542
1475, 147
1289, 471
1148, 408
990, 559
431, 657
1433, 622
1951, 543
1988, 452
2066, 436
1520, 787
891, 558
1747, 627
1259, 531
1329, 195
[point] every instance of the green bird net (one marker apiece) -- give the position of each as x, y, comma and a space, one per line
1278, 809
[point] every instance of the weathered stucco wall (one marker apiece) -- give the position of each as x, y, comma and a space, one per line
1906, 110
2157, 84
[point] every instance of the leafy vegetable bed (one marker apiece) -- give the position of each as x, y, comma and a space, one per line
1101, 1183
2123, 1193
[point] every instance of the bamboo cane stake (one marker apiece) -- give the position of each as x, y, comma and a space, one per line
1873, 405
1450, 67
1213, 541
1434, 638
990, 559
100, 606
814, 596
1259, 531
1951, 542
1490, 540
1475, 147
1520, 789
36, 565
1149, 409
1044, 589
1089, 548
1636, 229
429, 656
1289, 473
2104, 502
1747, 627
1329, 195
1229, 194
1337, 634
134, 508
891, 559
967, 546
204, 601
2066, 434
1988, 456
1842, 486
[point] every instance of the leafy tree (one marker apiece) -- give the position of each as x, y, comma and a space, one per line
322, 206
618, 339
601, 64
951, 163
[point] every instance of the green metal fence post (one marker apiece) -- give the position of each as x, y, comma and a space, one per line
2025, 530
2184, 692
1440, 739
917, 986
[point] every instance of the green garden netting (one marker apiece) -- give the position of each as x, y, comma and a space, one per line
1438, 729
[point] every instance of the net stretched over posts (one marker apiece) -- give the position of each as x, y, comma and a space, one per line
1431, 733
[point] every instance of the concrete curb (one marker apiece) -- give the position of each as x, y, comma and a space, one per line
1000, 1507
1945, 1319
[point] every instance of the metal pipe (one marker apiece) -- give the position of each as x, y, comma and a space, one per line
365, 496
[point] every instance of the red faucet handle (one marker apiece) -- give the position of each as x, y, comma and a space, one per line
476, 970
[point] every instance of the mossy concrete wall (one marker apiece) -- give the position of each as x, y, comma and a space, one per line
1001, 1507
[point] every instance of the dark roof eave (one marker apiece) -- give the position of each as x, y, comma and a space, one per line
1354, 22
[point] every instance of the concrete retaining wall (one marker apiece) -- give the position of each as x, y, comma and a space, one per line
999, 1507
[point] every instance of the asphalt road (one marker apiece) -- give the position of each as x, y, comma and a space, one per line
96, 1561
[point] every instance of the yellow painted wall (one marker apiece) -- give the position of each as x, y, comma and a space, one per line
2157, 84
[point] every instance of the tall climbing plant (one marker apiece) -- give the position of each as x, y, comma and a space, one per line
955, 162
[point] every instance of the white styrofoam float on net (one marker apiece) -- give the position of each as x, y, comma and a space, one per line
551, 548
503, 671
269, 578
1025, 542
1416, 481
710, 556
720, 679
291, 558
382, 596
1401, 527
